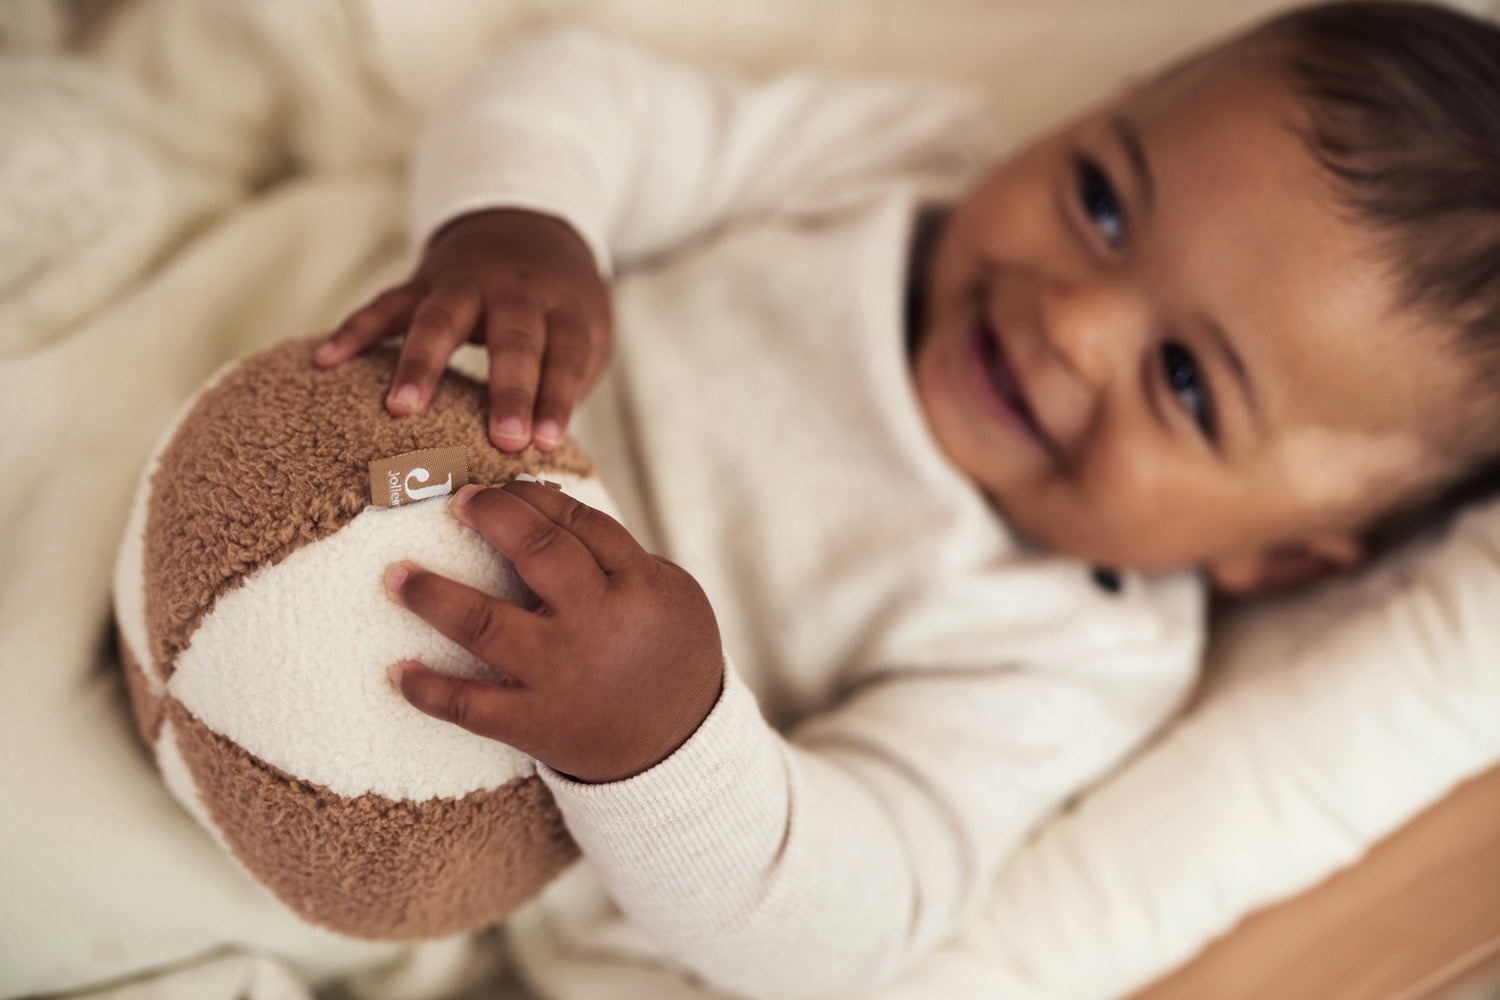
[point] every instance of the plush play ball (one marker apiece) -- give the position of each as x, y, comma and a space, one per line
257, 634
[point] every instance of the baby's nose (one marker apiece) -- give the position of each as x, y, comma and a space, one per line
1098, 328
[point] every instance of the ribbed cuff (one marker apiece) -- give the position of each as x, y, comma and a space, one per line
686, 847
554, 177
733, 746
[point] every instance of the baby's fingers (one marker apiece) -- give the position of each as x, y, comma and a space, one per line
442, 322
516, 331
504, 635
384, 316
564, 368
484, 708
555, 563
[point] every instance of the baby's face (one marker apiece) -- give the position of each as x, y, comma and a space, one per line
1155, 341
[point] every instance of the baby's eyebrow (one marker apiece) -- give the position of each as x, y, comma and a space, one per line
1130, 138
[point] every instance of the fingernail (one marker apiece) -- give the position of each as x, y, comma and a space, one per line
326, 353
548, 432
395, 674
524, 478
510, 429
396, 576
406, 397
461, 498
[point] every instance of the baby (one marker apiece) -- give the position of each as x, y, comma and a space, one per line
942, 486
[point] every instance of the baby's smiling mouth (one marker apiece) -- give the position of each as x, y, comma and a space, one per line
1004, 380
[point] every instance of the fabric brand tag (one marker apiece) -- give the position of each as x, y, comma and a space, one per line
418, 475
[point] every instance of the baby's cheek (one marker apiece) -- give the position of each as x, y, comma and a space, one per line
1128, 515
1011, 215
1060, 517
1328, 467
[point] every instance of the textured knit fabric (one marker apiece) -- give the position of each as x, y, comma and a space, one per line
909, 687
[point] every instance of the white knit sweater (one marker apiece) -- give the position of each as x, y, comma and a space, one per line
909, 688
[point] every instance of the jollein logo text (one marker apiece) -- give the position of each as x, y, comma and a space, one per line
421, 475
418, 475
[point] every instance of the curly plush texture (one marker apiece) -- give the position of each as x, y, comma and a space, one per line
260, 683
277, 456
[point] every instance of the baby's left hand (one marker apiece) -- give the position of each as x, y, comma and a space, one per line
615, 671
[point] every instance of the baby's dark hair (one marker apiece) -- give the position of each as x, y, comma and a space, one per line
1403, 101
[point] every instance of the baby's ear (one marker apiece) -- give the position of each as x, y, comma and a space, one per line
1285, 564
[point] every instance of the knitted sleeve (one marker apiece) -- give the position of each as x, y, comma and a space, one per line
640, 155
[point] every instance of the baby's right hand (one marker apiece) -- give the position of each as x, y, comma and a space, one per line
522, 283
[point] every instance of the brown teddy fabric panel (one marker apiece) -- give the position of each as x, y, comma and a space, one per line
374, 867
277, 455
145, 705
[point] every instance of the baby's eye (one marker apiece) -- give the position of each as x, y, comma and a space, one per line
1186, 382
1100, 203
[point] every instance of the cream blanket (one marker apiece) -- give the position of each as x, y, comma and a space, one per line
225, 174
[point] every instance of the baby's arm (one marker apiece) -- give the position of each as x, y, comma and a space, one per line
570, 154
641, 155
772, 866
820, 864
827, 862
